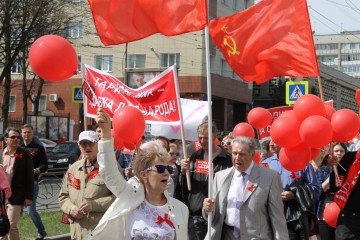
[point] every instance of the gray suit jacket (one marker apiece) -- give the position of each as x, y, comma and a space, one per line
262, 213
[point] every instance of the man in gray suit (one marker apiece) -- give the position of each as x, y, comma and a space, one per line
247, 202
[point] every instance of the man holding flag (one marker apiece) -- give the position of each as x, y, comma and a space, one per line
198, 166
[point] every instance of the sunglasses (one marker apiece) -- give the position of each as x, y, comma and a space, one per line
160, 168
174, 154
14, 137
226, 143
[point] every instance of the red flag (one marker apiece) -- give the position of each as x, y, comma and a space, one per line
157, 99
272, 38
121, 21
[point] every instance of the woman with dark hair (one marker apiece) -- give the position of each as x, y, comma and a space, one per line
344, 182
323, 169
143, 208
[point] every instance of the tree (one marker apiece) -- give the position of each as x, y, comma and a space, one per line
22, 22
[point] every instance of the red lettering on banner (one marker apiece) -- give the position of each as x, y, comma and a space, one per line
75, 182
201, 166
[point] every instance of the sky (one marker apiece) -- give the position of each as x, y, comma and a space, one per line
334, 16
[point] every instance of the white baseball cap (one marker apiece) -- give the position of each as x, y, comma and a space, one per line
88, 135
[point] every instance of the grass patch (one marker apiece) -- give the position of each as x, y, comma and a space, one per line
52, 223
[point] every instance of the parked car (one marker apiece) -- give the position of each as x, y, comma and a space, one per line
48, 144
62, 155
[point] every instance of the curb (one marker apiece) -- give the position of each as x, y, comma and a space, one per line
59, 237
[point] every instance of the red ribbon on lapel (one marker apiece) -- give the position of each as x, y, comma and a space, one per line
165, 219
92, 174
251, 187
20, 155
32, 153
293, 175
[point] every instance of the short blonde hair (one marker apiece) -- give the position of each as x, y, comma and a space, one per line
227, 138
149, 153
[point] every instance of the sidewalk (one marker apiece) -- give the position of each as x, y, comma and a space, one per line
59, 237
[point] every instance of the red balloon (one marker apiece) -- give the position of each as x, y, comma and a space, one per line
294, 160
129, 145
316, 131
345, 124
257, 157
308, 105
331, 214
285, 132
129, 124
259, 117
118, 142
329, 111
53, 58
289, 113
243, 129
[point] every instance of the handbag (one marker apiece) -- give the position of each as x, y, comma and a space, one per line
4, 220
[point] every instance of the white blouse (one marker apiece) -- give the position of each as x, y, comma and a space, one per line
150, 222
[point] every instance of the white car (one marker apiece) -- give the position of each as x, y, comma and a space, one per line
48, 144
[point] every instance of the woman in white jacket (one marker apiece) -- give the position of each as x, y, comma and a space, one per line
143, 209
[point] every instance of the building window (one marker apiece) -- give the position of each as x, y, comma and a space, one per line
104, 62
223, 67
256, 90
79, 63
42, 103
169, 59
15, 69
12, 103
327, 46
212, 64
225, 2
75, 30
247, 4
136, 61
15, 32
236, 5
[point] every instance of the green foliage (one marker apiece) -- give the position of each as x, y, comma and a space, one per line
52, 223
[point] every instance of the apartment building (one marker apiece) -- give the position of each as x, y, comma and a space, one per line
340, 51
231, 96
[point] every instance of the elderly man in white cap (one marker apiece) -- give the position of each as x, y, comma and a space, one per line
84, 197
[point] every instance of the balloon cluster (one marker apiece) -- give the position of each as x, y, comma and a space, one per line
311, 125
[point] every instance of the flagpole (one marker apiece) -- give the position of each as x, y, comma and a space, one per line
177, 91
320, 88
211, 142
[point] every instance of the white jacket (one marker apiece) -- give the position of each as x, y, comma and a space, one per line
130, 195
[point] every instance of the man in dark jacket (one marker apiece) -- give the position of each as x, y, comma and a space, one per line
39, 157
197, 164
18, 165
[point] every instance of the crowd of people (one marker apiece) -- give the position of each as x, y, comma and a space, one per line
112, 194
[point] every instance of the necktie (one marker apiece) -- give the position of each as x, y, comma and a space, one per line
239, 202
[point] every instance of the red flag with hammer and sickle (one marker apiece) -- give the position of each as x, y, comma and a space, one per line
269, 39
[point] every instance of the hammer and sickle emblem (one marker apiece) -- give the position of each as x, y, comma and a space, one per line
232, 46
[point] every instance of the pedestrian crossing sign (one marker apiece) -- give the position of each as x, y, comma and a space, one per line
77, 94
295, 90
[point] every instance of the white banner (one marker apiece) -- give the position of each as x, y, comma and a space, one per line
194, 112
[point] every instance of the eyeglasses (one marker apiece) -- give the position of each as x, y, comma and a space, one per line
226, 143
174, 154
160, 168
14, 137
